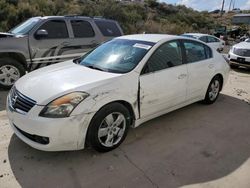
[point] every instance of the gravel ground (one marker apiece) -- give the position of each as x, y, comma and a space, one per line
196, 146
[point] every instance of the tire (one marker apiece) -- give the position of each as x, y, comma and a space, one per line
213, 90
103, 134
10, 71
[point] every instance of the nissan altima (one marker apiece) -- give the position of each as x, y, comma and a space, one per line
94, 100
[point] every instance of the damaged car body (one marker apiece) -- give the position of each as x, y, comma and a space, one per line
93, 100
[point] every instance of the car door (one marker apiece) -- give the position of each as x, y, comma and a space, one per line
84, 37
163, 80
200, 67
48, 47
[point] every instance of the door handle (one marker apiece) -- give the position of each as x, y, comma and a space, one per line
65, 44
211, 66
181, 76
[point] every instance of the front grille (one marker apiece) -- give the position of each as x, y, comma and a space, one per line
242, 52
20, 102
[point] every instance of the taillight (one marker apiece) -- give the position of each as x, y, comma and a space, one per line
226, 59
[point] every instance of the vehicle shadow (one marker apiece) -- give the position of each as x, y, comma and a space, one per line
3, 96
242, 70
195, 144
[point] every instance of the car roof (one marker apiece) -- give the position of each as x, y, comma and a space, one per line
196, 34
150, 37
74, 17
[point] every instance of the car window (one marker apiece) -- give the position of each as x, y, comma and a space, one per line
56, 29
166, 56
208, 52
196, 51
212, 39
204, 39
82, 29
108, 28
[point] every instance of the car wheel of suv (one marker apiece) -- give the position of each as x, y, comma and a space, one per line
10, 71
213, 90
109, 127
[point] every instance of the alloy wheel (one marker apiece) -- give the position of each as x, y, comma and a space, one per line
9, 75
112, 129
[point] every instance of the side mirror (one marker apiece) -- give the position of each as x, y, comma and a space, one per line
42, 33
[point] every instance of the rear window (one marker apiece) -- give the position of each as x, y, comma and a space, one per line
82, 29
108, 28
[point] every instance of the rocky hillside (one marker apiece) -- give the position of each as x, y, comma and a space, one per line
150, 16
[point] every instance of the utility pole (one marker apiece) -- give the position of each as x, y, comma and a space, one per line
230, 5
222, 7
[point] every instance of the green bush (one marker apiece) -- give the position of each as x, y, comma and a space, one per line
149, 17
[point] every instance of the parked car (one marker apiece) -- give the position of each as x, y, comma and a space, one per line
42, 41
211, 40
124, 82
236, 10
239, 54
216, 11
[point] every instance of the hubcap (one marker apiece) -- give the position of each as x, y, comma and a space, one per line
8, 75
112, 129
214, 90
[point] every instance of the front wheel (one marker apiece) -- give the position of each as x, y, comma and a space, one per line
213, 90
109, 127
10, 71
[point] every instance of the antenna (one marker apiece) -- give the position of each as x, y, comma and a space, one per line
230, 5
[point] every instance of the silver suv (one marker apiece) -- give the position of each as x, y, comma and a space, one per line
42, 41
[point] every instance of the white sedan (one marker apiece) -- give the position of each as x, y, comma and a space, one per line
239, 54
92, 101
211, 41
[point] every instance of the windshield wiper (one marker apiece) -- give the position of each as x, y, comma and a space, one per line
94, 67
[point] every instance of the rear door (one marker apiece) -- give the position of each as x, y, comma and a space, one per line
84, 37
163, 80
200, 68
213, 42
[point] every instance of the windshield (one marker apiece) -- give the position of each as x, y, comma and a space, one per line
117, 56
247, 40
25, 27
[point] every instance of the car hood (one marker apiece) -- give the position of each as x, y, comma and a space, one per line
53, 81
245, 45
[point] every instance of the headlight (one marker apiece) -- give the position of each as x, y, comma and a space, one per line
63, 106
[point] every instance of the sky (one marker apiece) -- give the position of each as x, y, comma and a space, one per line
210, 4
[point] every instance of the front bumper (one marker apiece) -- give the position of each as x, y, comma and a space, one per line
61, 133
239, 60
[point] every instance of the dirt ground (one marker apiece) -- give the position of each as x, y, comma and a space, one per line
196, 146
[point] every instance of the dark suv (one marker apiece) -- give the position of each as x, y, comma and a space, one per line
42, 41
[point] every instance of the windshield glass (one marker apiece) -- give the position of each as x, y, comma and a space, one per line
117, 56
25, 27
247, 40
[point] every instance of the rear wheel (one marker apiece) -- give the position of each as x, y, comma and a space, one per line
10, 71
213, 90
109, 127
